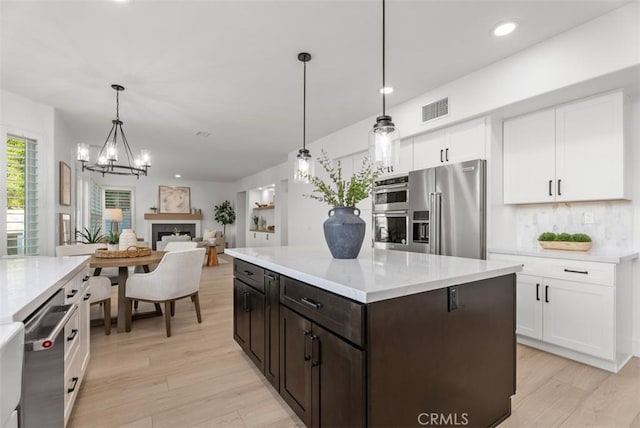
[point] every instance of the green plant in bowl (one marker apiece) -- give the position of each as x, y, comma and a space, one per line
564, 237
581, 237
547, 236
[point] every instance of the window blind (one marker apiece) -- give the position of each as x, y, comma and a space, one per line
22, 196
116, 198
95, 207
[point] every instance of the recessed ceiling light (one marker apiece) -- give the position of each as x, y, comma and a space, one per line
386, 90
178, 176
504, 28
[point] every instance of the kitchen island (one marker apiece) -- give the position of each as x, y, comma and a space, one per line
388, 339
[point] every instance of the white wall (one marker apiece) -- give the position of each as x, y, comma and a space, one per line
204, 195
26, 118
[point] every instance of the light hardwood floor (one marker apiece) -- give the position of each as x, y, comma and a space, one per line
199, 377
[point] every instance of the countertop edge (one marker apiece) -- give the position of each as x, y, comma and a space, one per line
375, 296
45, 295
581, 256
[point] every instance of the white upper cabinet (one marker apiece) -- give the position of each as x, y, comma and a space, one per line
459, 143
529, 153
590, 149
573, 152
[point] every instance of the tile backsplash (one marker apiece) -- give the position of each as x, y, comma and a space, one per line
611, 226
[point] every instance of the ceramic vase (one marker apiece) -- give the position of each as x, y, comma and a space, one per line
128, 239
344, 232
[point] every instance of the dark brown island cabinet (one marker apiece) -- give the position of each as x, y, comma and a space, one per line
437, 358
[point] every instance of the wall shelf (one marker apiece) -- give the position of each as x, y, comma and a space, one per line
264, 208
169, 216
262, 230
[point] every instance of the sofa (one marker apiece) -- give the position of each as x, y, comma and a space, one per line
168, 238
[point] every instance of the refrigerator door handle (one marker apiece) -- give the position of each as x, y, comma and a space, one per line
438, 221
432, 222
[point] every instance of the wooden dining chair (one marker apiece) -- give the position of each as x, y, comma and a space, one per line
176, 277
99, 286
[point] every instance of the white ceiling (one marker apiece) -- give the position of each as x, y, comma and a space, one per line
230, 67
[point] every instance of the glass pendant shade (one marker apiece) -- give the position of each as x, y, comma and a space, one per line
303, 167
83, 152
384, 143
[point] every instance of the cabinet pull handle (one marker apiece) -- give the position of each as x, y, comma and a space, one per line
247, 272
559, 188
304, 348
546, 294
441, 152
550, 184
311, 302
583, 272
75, 383
270, 277
446, 154
315, 355
245, 301
72, 293
73, 335
86, 278
538, 292
87, 296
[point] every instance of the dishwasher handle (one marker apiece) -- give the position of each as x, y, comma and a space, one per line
45, 343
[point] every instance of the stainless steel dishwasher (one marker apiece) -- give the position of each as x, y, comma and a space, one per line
43, 389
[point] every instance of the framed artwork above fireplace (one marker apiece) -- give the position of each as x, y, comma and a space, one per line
174, 199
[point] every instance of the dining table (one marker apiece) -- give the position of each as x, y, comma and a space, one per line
123, 264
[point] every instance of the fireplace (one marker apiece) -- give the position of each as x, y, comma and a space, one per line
158, 230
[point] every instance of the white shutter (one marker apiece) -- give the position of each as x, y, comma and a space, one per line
117, 198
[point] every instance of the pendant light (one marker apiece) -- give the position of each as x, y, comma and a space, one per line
303, 167
384, 138
107, 159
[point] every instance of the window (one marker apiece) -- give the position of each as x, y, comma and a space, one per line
119, 198
22, 196
95, 207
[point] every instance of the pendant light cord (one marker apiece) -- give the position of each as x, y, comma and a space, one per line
383, 59
118, 105
304, 107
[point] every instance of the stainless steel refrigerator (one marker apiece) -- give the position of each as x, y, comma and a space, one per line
447, 210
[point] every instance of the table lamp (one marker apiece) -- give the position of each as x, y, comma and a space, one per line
114, 215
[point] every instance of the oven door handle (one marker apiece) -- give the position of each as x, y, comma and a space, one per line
391, 212
390, 187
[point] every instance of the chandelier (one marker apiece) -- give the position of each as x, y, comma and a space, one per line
107, 159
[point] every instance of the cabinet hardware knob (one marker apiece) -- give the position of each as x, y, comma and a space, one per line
75, 383
441, 152
73, 335
247, 272
550, 184
72, 293
446, 154
583, 272
304, 347
311, 302
270, 277
546, 294
87, 296
559, 188
315, 357
245, 301
538, 292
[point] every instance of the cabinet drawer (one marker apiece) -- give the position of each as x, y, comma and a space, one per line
71, 337
337, 313
572, 270
73, 288
249, 274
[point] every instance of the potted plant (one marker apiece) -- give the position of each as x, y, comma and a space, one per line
565, 241
112, 241
85, 236
344, 229
224, 214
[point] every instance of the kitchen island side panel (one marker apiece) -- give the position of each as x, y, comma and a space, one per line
426, 361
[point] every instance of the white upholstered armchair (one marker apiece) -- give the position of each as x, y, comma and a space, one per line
176, 277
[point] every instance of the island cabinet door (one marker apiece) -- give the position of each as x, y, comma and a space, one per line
272, 328
338, 381
248, 321
295, 367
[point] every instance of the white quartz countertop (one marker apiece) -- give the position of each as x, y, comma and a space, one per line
27, 282
600, 256
376, 274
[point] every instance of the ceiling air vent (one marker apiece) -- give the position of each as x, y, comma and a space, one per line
435, 110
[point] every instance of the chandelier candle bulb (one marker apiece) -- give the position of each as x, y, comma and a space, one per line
83, 152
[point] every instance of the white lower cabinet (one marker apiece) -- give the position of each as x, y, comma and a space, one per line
577, 309
77, 336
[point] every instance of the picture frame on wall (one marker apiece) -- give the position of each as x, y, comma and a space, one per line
65, 184
174, 199
64, 227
